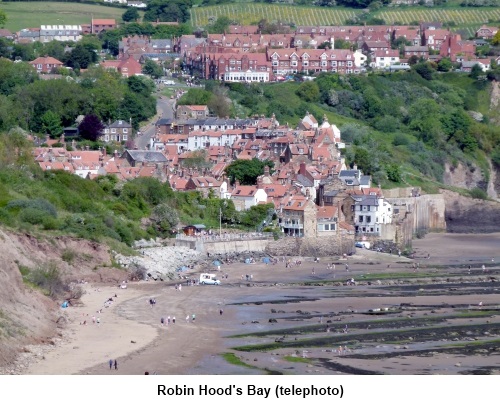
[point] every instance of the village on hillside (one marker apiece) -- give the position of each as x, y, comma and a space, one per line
244, 54
312, 191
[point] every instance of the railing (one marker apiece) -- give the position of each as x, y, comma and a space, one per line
226, 237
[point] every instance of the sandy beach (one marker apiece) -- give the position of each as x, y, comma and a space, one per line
130, 330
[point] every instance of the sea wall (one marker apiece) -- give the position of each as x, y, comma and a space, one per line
287, 246
312, 247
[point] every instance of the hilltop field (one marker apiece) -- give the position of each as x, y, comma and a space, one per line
33, 14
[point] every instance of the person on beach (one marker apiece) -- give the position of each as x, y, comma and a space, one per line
194, 317
162, 321
110, 364
187, 318
221, 311
173, 319
116, 365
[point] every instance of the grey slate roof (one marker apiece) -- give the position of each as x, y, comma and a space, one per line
367, 200
147, 156
304, 181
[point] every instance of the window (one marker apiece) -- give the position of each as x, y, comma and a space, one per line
368, 218
125, 130
113, 130
360, 218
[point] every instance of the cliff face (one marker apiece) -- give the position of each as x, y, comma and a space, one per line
464, 176
468, 215
26, 315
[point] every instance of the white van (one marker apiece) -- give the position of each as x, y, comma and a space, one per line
168, 82
363, 244
208, 278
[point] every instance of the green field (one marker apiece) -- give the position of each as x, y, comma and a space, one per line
33, 14
246, 13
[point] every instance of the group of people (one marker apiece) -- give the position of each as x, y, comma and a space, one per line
166, 321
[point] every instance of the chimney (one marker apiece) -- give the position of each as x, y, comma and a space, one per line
260, 183
115, 154
302, 169
266, 170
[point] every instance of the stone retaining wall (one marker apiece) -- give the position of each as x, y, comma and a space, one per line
312, 247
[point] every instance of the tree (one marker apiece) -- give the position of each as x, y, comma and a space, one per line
168, 10
308, 91
195, 97
91, 127
341, 43
247, 171
130, 15
5, 48
424, 69
51, 123
476, 71
165, 217
445, 65
494, 41
81, 57
394, 173
220, 26
3, 18
152, 69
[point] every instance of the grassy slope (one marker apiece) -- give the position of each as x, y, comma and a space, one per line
33, 14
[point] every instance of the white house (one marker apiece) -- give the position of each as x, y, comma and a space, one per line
382, 59
245, 197
249, 76
205, 139
371, 212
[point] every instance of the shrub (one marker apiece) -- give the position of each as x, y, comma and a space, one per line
478, 193
400, 140
48, 277
38, 204
68, 255
32, 216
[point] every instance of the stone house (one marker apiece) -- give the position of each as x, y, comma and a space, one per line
118, 131
207, 185
297, 216
192, 111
